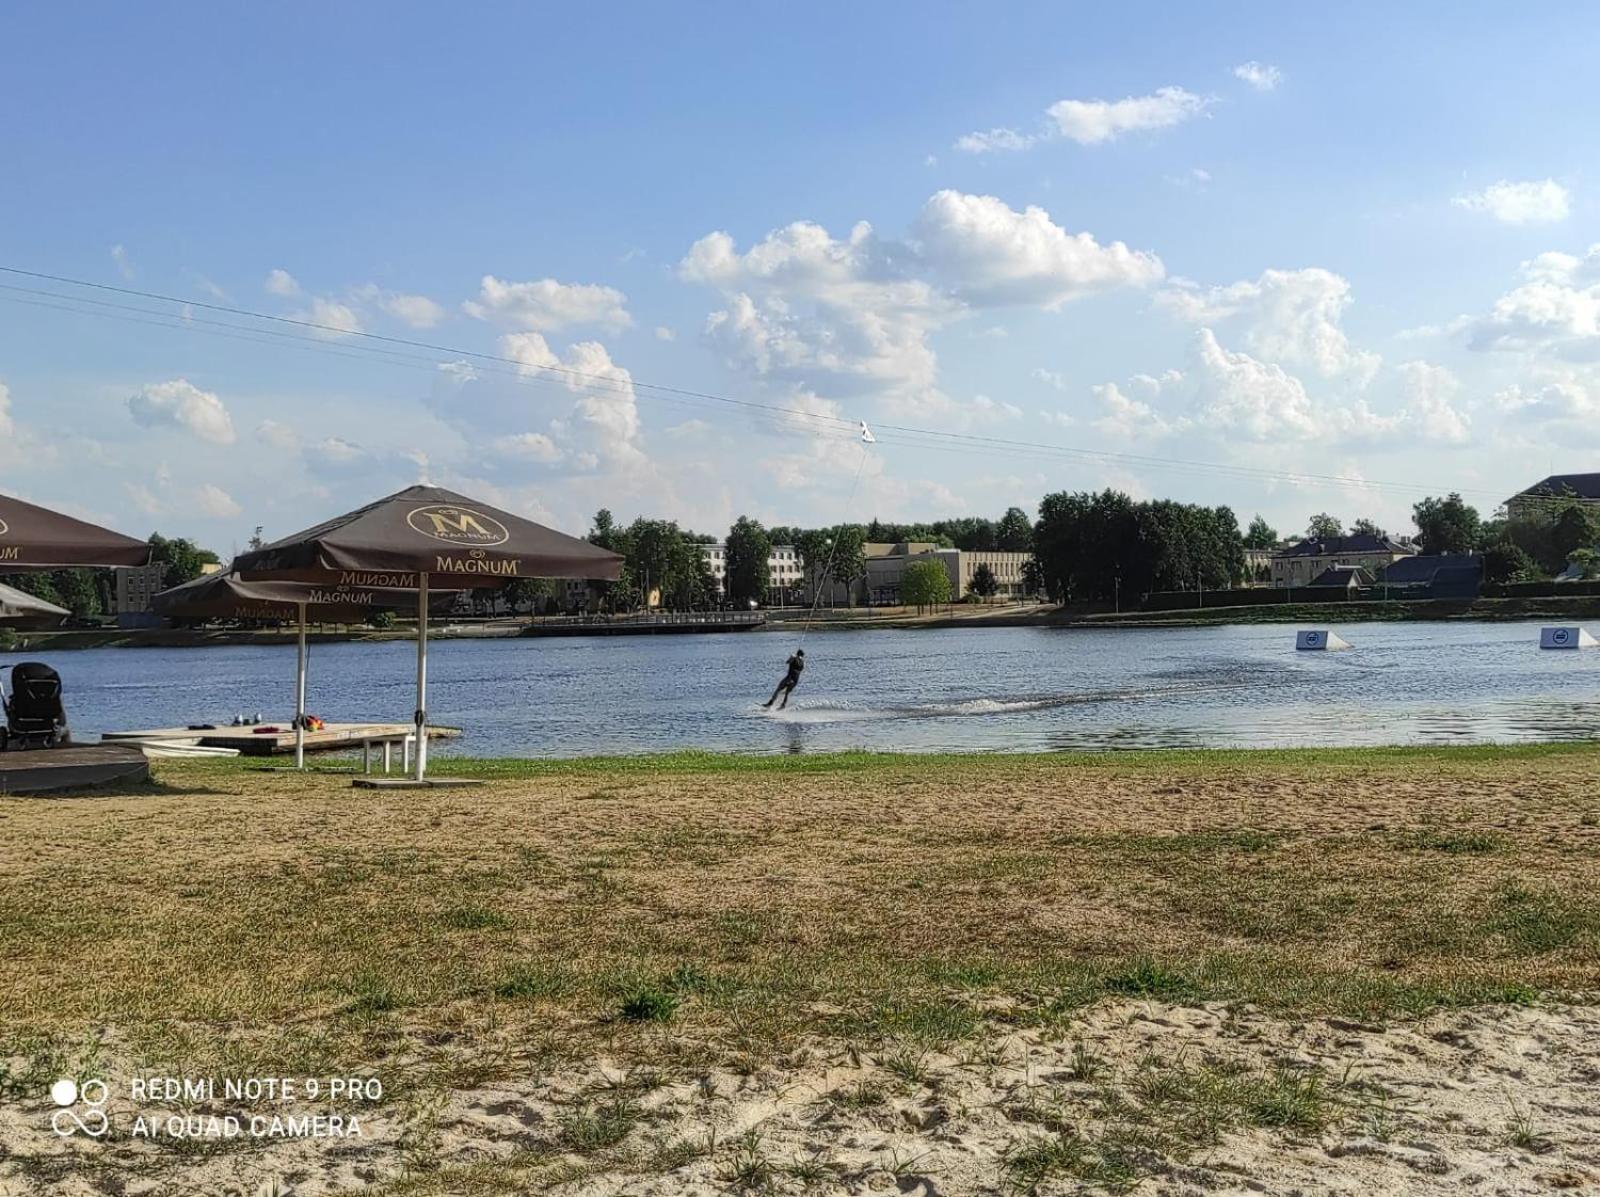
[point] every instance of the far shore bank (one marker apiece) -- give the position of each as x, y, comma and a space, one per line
1578, 608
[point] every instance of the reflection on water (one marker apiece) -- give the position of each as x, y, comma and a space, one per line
1001, 689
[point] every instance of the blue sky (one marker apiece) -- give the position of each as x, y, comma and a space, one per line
1364, 255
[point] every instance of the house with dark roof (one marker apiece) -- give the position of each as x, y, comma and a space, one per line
1300, 564
1584, 487
1436, 575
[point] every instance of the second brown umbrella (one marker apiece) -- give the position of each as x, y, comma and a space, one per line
227, 596
421, 535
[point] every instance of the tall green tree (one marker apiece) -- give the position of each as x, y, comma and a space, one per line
1260, 535
1366, 527
748, 575
984, 584
924, 584
1447, 525
849, 557
184, 560
1014, 533
1324, 527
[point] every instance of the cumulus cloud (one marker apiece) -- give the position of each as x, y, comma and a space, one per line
1259, 75
807, 308
1090, 122
278, 434
1567, 401
1542, 201
547, 305
990, 253
332, 318
417, 311
527, 446
211, 500
119, 255
282, 284
601, 427
855, 314
1292, 316
1053, 379
1556, 309
1430, 410
180, 404
1239, 397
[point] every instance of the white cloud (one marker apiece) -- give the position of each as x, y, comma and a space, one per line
1059, 419
119, 255
282, 284
181, 404
1090, 122
1259, 75
992, 254
417, 311
993, 140
602, 425
1291, 316
333, 319
213, 501
1430, 411
663, 333
1541, 201
993, 409
806, 308
527, 446
145, 499
8, 426
1050, 378
855, 315
1237, 396
547, 305
277, 434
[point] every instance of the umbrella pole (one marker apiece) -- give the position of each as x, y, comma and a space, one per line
422, 676
300, 696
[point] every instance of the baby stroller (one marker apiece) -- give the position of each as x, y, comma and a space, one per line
34, 714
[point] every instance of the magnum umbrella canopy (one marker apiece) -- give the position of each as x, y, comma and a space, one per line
227, 596
34, 538
18, 608
420, 536
427, 530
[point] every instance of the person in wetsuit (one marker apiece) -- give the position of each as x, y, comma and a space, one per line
797, 664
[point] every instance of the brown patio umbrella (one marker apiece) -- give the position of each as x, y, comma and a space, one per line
19, 609
35, 538
227, 596
425, 535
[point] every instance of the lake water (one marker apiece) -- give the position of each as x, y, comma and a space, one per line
998, 689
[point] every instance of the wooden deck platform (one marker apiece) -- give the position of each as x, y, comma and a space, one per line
47, 770
252, 742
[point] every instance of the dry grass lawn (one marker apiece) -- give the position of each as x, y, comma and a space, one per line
688, 914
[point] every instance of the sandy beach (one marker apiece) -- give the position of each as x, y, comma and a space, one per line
1342, 971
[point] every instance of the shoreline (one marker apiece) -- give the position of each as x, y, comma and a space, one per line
1320, 614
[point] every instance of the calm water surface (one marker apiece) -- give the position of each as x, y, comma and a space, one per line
1012, 689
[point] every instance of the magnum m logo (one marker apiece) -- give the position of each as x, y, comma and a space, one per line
457, 525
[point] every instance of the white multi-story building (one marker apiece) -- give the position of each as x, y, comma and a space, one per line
785, 570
